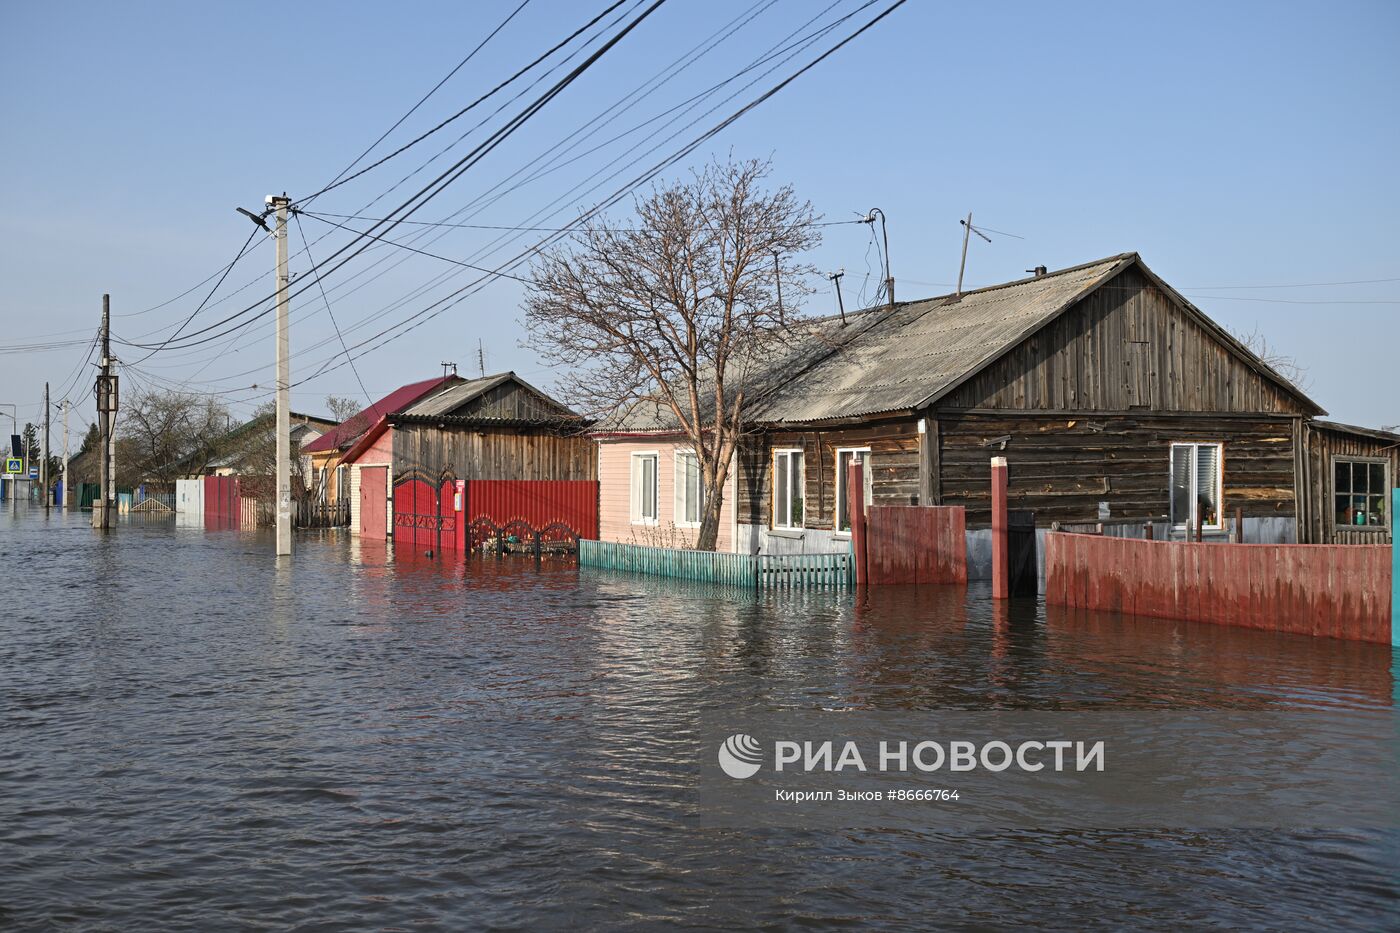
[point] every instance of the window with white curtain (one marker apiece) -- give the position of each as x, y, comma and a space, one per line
844, 457
690, 491
644, 488
1196, 486
789, 489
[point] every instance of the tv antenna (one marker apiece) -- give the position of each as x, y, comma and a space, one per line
968, 229
835, 278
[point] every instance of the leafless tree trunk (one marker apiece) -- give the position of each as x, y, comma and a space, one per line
671, 312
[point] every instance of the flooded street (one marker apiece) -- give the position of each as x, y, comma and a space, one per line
197, 738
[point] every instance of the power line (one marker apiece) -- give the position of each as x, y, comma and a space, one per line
439, 184
297, 216
421, 101
413, 249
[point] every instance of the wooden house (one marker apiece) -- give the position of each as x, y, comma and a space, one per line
497, 427
327, 478
1111, 395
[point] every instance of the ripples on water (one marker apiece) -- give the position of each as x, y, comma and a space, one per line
196, 738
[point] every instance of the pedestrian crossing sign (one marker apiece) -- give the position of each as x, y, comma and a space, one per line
14, 465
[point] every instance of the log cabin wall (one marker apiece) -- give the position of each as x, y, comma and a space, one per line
1062, 466
894, 461
1317, 510
493, 453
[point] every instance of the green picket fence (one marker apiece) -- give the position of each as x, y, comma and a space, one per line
748, 570
806, 570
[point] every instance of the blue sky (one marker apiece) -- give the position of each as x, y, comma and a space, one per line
1232, 145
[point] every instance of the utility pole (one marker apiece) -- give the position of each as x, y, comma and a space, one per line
106, 420
968, 229
835, 277
885, 235
44, 463
67, 405
284, 379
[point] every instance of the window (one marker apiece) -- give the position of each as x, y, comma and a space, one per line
844, 458
690, 492
1195, 486
644, 489
342, 483
789, 489
1359, 491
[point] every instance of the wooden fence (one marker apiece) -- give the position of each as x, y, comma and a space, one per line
746, 570
1338, 591
313, 514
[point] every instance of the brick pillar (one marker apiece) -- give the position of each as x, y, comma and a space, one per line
855, 505
1001, 584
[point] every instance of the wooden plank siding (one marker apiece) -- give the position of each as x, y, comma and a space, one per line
1126, 345
510, 399
1063, 467
495, 453
1316, 516
894, 459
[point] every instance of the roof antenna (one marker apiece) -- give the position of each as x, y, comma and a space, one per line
480, 358
967, 228
445, 365
885, 234
840, 305
778, 277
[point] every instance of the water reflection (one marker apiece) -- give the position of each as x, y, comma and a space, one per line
197, 736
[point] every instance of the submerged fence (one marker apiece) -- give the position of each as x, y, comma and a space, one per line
1334, 590
747, 570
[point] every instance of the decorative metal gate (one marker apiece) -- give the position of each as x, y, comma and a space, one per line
424, 513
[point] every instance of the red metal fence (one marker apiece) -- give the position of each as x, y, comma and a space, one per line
916, 544
537, 503
1341, 591
222, 502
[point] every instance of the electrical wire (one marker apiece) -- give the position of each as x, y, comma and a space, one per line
326, 299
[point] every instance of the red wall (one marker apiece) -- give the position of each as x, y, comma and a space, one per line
222, 502
1338, 591
915, 544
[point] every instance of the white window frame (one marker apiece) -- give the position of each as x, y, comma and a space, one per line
784, 523
841, 486
634, 487
342, 481
680, 490
1189, 525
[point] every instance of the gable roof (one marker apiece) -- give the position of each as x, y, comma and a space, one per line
346, 433
907, 357
448, 401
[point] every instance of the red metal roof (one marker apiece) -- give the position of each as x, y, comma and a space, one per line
346, 433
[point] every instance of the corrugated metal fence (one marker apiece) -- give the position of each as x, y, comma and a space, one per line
917, 544
537, 503
1339, 591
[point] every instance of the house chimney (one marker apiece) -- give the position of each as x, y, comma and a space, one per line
1038, 270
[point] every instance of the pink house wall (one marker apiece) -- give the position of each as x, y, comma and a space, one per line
615, 496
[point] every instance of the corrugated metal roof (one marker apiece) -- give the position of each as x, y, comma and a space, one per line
893, 359
345, 433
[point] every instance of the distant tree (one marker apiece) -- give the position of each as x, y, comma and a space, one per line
1286, 366
342, 409
165, 435
668, 308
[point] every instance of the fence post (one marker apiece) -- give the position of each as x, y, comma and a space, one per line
1001, 585
1394, 571
855, 496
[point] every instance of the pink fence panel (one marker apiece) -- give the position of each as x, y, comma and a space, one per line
1335, 591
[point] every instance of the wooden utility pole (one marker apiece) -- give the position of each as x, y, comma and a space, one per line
279, 204
106, 421
44, 463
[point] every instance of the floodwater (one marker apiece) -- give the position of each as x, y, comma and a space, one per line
195, 737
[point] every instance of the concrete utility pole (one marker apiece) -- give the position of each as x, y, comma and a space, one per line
106, 421
66, 406
44, 463
284, 379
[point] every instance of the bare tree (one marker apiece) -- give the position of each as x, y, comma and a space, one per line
1286, 366
342, 409
165, 435
669, 311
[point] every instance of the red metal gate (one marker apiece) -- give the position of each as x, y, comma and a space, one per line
424, 513
536, 504
222, 502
